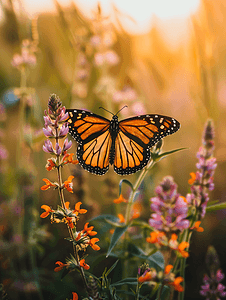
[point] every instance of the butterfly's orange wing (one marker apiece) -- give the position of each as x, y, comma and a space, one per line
136, 135
91, 131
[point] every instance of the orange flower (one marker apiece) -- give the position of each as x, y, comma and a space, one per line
47, 209
48, 184
50, 164
174, 236
83, 264
146, 277
112, 231
78, 236
181, 248
92, 244
168, 268
185, 200
173, 243
88, 230
196, 226
75, 296
60, 267
176, 284
193, 178
68, 184
78, 210
69, 222
121, 218
67, 159
67, 204
120, 199
137, 208
155, 237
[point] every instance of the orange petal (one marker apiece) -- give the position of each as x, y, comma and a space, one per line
70, 178
168, 268
46, 207
47, 181
174, 237
75, 296
45, 187
183, 245
83, 264
44, 215
120, 199
121, 218
77, 206
146, 277
67, 204
193, 178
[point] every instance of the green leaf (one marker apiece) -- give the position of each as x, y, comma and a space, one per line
165, 292
111, 268
157, 157
209, 203
216, 207
131, 280
141, 224
116, 224
126, 182
105, 217
156, 258
116, 236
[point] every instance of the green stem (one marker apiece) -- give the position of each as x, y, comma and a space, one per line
182, 273
135, 188
61, 195
129, 207
137, 291
160, 292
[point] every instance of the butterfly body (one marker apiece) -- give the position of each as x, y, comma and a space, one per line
114, 129
125, 144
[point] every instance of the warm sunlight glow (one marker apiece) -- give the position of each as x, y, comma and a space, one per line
140, 11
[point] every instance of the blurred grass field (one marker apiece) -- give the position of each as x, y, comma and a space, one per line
187, 82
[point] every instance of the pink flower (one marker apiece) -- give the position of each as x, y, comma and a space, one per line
138, 108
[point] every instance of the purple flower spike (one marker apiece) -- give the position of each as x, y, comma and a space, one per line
48, 132
47, 120
206, 166
48, 147
170, 209
67, 145
212, 288
64, 130
58, 149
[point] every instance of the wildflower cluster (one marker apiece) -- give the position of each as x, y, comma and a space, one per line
202, 181
212, 288
170, 208
146, 274
160, 239
56, 129
173, 214
27, 57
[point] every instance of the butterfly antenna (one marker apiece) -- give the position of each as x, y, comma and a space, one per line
121, 109
106, 110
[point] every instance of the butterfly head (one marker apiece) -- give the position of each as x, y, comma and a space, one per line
114, 124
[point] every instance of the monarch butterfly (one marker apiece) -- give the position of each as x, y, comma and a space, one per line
125, 144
